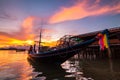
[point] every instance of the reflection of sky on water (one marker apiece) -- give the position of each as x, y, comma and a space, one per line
14, 66
106, 69
75, 69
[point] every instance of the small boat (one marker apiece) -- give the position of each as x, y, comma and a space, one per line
59, 56
20, 50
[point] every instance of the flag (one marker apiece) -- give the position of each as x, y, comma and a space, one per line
103, 41
106, 41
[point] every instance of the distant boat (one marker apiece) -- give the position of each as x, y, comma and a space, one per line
20, 50
60, 55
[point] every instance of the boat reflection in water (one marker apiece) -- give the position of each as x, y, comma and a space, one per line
49, 72
77, 69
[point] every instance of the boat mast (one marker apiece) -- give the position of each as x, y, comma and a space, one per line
40, 37
40, 40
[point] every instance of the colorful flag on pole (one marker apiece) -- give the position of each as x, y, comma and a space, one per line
106, 41
103, 41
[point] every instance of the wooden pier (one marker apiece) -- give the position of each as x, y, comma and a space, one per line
93, 51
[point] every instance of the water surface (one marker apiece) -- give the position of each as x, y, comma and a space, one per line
15, 66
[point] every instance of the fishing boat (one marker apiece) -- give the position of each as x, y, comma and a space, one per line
20, 50
59, 56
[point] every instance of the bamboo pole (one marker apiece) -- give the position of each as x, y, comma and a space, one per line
109, 53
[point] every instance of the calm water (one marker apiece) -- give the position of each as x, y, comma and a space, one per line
15, 66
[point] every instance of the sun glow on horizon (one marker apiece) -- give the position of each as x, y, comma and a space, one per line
15, 43
30, 42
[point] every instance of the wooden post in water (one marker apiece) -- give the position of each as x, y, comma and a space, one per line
108, 42
109, 53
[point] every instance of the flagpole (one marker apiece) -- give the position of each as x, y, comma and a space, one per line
108, 45
104, 42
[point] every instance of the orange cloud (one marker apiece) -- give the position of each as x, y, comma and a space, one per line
82, 9
26, 31
28, 24
27, 27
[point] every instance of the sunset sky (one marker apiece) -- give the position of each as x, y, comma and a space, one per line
21, 20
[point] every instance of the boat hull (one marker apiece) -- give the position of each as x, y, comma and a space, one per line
55, 58
61, 55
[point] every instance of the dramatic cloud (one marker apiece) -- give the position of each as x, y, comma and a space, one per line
27, 33
22, 37
83, 9
31, 28
27, 27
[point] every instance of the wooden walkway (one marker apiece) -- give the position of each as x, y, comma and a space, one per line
93, 51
